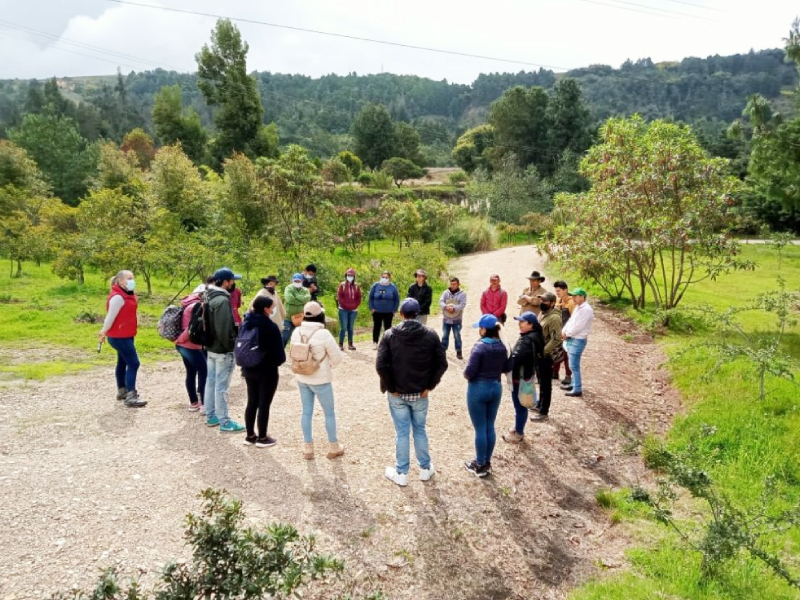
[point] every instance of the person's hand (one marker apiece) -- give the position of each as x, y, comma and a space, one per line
510, 387
372, 310
424, 393
563, 336
313, 287
101, 337
526, 298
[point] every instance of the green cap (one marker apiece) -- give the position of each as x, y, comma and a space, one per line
578, 292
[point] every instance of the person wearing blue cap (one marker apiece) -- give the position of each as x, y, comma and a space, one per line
487, 363
410, 363
220, 351
525, 356
295, 297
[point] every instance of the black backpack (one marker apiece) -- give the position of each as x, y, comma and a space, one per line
246, 351
199, 329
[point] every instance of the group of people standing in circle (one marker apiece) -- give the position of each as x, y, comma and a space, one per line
411, 358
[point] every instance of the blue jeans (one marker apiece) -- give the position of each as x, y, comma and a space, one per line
483, 402
521, 413
127, 362
288, 328
575, 348
410, 416
324, 393
456, 329
220, 369
196, 364
347, 321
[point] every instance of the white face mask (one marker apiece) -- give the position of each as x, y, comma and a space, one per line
297, 284
384, 281
130, 285
350, 278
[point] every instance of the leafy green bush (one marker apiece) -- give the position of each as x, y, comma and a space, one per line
471, 234
382, 180
365, 178
457, 177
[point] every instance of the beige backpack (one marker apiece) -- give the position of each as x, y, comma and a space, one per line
302, 357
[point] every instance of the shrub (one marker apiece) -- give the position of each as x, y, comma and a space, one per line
352, 162
382, 180
458, 177
365, 178
471, 234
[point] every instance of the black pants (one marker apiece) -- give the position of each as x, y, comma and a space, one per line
378, 320
545, 384
260, 392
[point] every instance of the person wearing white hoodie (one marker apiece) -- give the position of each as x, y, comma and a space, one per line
326, 352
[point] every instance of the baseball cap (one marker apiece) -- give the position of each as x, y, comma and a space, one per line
578, 292
313, 309
225, 274
297, 277
549, 297
527, 316
421, 272
409, 307
487, 322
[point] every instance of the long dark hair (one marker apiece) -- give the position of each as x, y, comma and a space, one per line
320, 318
492, 332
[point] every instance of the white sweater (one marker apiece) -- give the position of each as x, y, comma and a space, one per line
325, 350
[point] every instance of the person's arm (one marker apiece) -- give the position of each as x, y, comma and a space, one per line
371, 297
383, 364
396, 304
340, 295
358, 295
426, 299
554, 340
275, 344
461, 302
281, 308
474, 363
442, 302
305, 295
503, 303
439, 361
114, 306
484, 303
332, 349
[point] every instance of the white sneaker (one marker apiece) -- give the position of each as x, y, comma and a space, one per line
426, 474
400, 479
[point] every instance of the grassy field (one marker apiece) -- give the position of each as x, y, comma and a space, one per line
49, 326
752, 441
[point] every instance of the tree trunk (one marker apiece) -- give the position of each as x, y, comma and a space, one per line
81, 279
19, 268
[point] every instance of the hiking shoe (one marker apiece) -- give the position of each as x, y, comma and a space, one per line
574, 394
400, 479
459, 356
212, 421
351, 347
194, 407
132, 400
265, 442
426, 474
341, 347
231, 427
308, 451
538, 417
121, 393
567, 381
250, 440
478, 470
512, 437
335, 450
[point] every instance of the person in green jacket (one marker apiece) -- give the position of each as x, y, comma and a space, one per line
295, 298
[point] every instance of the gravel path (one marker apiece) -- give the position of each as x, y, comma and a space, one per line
87, 483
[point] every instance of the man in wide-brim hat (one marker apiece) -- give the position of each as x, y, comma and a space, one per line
529, 299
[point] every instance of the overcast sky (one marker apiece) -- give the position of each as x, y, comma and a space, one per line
42, 38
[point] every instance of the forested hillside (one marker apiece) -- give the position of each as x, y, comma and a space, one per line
317, 113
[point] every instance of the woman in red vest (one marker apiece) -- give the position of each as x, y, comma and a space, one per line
120, 329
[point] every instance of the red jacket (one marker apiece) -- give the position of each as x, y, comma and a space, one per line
124, 325
494, 302
348, 296
236, 302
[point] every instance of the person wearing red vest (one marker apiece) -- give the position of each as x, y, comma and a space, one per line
120, 329
494, 299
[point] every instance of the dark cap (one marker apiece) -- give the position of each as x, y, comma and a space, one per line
409, 306
528, 317
549, 297
270, 279
225, 274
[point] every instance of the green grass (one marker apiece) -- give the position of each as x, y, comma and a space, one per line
753, 440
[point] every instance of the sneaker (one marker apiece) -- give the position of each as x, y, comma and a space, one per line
566, 388
351, 347
512, 437
426, 474
574, 394
212, 421
202, 410
265, 442
538, 417
459, 356
231, 427
374, 345
555, 375
250, 440
194, 407
132, 400
478, 470
566, 381
400, 479
489, 468
121, 393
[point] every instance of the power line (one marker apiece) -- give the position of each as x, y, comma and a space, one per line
645, 10
341, 35
698, 6
664, 10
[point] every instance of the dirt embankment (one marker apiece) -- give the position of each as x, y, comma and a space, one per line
87, 483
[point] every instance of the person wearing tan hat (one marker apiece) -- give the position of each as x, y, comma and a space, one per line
529, 300
422, 293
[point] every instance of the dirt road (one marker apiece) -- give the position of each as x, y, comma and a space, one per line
87, 483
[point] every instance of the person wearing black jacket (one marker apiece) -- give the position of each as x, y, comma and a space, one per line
262, 379
310, 281
410, 363
422, 293
525, 356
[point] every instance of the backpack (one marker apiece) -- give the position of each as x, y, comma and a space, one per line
199, 329
169, 325
303, 361
246, 351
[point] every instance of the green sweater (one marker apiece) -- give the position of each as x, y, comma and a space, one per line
295, 299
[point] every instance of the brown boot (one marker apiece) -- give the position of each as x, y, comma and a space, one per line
335, 451
308, 451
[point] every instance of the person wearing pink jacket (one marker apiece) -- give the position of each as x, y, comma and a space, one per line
194, 356
494, 299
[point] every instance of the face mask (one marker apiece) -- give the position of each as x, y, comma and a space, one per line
297, 284
350, 278
384, 281
271, 289
130, 285
544, 306
309, 276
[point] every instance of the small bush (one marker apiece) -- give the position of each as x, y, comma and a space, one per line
87, 316
5, 298
382, 180
458, 177
471, 234
365, 178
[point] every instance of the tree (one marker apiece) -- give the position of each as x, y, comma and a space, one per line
352, 162
522, 125
657, 217
406, 143
402, 221
470, 152
174, 125
141, 144
569, 123
20, 178
64, 156
335, 171
223, 80
401, 169
177, 188
373, 134
118, 170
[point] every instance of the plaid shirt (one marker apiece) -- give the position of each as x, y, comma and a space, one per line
410, 397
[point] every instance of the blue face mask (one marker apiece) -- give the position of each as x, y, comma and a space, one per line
130, 285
